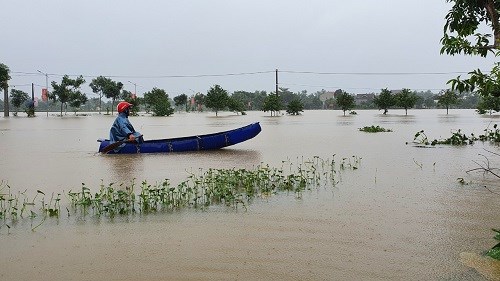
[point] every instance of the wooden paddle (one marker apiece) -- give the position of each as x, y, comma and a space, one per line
117, 144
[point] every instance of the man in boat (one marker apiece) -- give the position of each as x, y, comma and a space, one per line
122, 129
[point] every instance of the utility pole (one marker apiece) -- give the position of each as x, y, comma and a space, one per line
46, 89
276, 82
135, 88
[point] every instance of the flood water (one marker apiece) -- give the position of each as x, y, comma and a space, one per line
402, 215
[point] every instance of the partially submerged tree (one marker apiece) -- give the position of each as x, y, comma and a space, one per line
406, 99
67, 91
294, 107
97, 85
157, 100
18, 98
4, 85
216, 98
112, 90
273, 104
234, 104
447, 98
384, 100
180, 100
345, 101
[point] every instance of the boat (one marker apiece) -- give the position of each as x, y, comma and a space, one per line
192, 143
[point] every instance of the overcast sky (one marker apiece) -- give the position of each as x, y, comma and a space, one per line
187, 46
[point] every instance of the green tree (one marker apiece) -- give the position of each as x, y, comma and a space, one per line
112, 90
273, 104
216, 98
465, 33
488, 104
98, 85
447, 98
294, 107
345, 101
235, 105
157, 100
4, 84
68, 90
406, 99
77, 100
384, 100
180, 100
18, 98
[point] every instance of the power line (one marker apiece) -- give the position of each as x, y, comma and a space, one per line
372, 73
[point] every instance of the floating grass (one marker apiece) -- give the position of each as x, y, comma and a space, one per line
234, 188
374, 129
459, 138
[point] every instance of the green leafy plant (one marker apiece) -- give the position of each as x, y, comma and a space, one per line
374, 129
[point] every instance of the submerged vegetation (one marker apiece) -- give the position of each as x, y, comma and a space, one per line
459, 138
374, 129
230, 187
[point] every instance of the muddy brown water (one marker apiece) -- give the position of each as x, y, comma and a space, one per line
401, 216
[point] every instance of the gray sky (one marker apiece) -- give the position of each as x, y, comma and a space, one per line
151, 42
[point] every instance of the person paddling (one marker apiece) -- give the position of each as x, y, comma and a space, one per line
122, 129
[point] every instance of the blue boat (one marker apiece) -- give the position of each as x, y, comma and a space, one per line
192, 143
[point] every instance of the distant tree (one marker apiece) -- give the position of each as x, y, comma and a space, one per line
157, 100
216, 98
98, 85
384, 100
180, 100
294, 107
488, 104
18, 98
199, 100
77, 100
273, 104
447, 98
112, 90
406, 99
129, 97
345, 101
67, 90
235, 105
4, 84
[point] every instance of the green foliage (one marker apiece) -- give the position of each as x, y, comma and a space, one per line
18, 98
465, 21
487, 104
345, 101
406, 99
447, 98
384, 100
273, 104
294, 107
216, 99
235, 105
229, 187
4, 76
494, 252
374, 129
459, 138
67, 91
180, 100
157, 100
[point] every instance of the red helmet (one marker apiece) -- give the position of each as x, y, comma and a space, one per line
122, 106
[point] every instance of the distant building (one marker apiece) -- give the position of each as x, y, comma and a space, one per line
364, 98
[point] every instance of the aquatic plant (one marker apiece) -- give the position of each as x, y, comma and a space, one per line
235, 188
374, 129
494, 252
459, 138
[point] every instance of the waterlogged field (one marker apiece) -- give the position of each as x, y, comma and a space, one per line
312, 197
